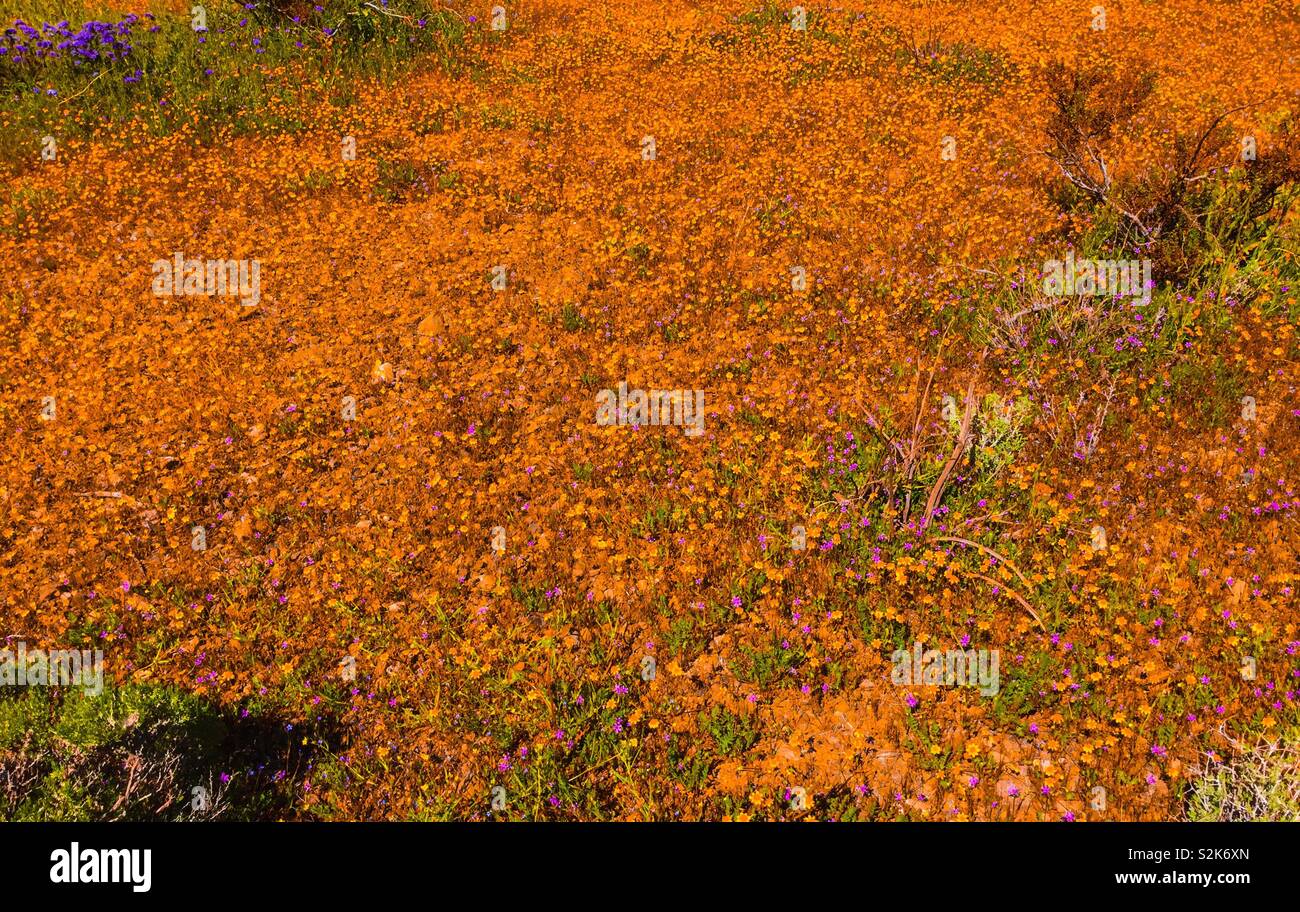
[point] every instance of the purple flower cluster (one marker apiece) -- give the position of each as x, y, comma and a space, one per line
93, 42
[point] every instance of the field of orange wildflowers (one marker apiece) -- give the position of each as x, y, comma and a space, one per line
651, 410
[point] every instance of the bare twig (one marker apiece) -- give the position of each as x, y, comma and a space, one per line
1017, 596
85, 87
987, 550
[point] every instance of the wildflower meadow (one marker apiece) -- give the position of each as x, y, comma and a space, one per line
672, 410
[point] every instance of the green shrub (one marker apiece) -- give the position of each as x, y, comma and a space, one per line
732, 734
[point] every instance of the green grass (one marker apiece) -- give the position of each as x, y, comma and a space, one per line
571, 318
766, 16
222, 82
20, 212
399, 181
142, 753
960, 63
1210, 389
767, 665
1026, 689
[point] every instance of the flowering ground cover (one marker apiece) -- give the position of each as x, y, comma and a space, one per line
632, 411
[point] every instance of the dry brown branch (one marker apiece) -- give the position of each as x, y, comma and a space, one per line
963, 441
987, 550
